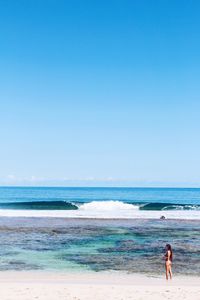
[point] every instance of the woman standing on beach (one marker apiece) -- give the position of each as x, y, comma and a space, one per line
168, 261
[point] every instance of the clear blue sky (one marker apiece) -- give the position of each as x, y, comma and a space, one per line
100, 91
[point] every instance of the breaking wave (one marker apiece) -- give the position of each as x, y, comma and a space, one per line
100, 209
96, 206
39, 205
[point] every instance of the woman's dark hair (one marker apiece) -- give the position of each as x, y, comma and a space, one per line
169, 248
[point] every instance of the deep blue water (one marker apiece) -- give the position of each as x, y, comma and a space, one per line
101, 202
74, 194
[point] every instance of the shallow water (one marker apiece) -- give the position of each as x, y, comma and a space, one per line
79, 245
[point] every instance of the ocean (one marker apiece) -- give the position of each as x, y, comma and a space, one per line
176, 203
99, 229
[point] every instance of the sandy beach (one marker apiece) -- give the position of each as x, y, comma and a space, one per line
109, 285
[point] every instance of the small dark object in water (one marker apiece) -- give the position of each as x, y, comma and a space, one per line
162, 218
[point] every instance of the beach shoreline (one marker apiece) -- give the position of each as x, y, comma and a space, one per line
22, 285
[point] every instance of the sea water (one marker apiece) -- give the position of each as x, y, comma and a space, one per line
100, 202
101, 229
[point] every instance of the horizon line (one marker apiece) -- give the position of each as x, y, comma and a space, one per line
99, 187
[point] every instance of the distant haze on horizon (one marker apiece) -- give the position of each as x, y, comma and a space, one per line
100, 93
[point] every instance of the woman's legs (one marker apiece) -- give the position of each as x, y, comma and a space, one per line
168, 269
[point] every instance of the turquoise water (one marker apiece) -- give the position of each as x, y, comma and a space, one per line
93, 243
135, 246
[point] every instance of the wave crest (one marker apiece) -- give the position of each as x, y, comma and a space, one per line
39, 205
108, 206
168, 206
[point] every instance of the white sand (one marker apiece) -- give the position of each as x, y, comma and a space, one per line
94, 286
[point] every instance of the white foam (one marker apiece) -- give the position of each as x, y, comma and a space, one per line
105, 210
108, 206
